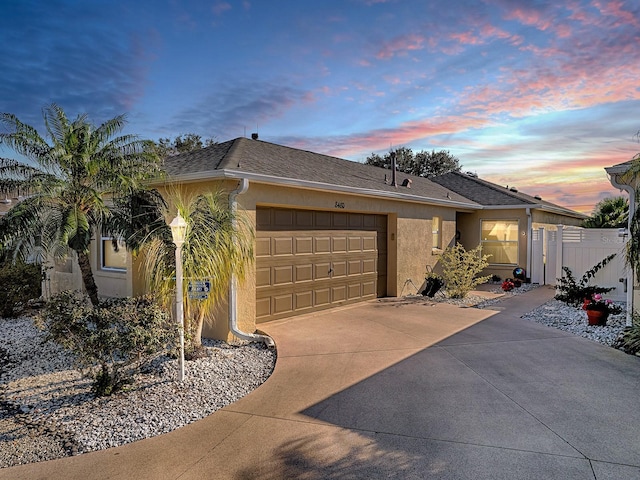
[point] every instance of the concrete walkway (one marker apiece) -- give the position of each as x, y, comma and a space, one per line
392, 389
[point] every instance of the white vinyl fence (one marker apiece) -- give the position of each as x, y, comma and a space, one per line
580, 249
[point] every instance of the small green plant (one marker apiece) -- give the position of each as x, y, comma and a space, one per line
19, 283
629, 339
460, 269
111, 341
573, 292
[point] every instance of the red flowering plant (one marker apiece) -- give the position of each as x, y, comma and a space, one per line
598, 303
508, 285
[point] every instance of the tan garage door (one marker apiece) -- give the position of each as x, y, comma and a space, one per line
311, 260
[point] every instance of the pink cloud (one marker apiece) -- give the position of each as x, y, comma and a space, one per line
529, 17
401, 45
615, 8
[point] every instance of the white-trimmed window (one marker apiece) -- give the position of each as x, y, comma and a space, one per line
500, 240
436, 233
111, 258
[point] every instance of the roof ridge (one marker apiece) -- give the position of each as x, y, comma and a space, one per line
498, 188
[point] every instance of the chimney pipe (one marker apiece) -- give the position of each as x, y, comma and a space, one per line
393, 170
254, 136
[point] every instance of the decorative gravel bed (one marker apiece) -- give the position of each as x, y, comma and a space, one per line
47, 410
570, 319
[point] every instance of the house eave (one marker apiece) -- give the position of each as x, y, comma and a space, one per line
536, 206
310, 185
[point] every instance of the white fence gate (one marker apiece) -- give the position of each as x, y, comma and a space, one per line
579, 249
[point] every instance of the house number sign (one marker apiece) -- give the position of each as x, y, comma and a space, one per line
339, 204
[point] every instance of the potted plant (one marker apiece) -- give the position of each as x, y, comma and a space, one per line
432, 283
598, 309
508, 285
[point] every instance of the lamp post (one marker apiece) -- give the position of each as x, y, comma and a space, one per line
178, 232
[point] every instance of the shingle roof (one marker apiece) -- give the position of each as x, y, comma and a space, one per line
270, 162
492, 195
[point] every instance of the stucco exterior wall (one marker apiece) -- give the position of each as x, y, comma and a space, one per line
409, 239
469, 224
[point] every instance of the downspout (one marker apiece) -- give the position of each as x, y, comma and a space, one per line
529, 241
233, 287
632, 209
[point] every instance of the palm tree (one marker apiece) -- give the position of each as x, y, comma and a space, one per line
80, 181
611, 212
218, 245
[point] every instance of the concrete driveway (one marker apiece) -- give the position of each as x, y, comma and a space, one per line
393, 389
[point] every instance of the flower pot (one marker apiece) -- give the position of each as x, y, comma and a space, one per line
597, 317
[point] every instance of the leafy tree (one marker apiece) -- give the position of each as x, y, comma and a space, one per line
182, 143
422, 164
611, 212
84, 179
218, 244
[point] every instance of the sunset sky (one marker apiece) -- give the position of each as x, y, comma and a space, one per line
540, 95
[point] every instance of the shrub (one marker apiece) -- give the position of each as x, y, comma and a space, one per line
460, 269
112, 341
19, 283
574, 292
629, 339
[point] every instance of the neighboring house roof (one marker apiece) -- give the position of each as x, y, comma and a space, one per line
621, 168
276, 164
267, 162
491, 195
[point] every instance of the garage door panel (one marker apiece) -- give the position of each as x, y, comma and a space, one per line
322, 219
355, 267
370, 221
263, 218
282, 246
304, 218
356, 221
310, 260
283, 275
304, 300
263, 277
282, 303
369, 244
304, 245
322, 271
322, 245
304, 273
338, 293
283, 218
322, 297
355, 244
354, 291
368, 289
339, 269
263, 308
263, 247
339, 245
369, 265
340, 221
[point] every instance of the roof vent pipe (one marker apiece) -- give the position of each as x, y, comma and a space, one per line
254, 136
393, 169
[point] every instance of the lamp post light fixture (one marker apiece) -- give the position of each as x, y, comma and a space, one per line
178, 232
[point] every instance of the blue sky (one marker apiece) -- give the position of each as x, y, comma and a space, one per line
541, 95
